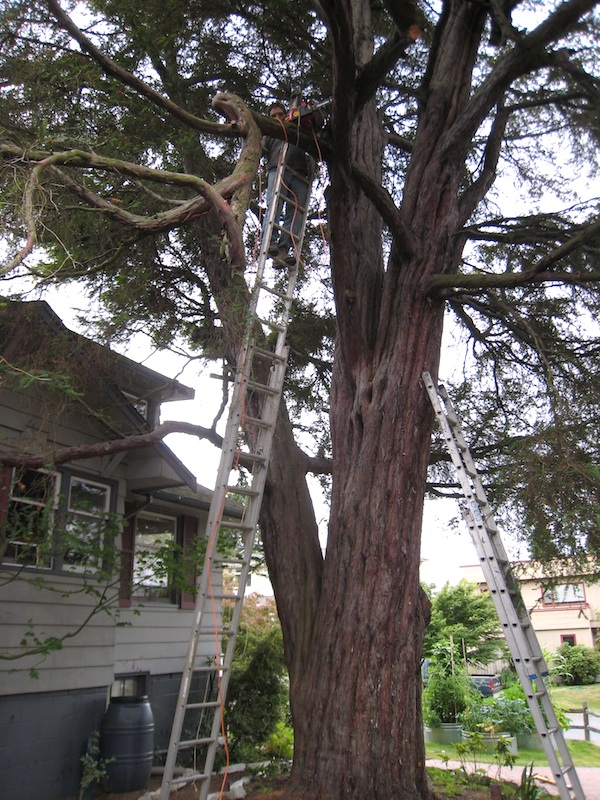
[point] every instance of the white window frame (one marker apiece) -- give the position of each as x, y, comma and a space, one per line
22, 500
94, 517
142, 590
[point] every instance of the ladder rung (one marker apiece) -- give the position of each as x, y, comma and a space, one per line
205, 704
276, 326
237, 526
223, 596
234, 562
210, 631
192, 778
208, 667
272, 290
263, 387
268, 354
258, 458
257, 423
246, 491
550, 731
185, 745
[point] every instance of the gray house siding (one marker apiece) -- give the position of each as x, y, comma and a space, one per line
45, 722
42, 737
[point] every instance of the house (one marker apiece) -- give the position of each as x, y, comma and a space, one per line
97, 552
563, 608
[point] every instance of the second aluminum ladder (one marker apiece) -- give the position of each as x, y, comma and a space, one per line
258, 383
504, 589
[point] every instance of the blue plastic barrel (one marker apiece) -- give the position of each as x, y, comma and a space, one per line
127, 737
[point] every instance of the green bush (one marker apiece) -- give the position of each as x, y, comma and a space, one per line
448, 690
258, 688
280, 744
576, 664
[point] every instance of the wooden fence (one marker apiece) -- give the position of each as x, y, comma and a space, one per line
587, 716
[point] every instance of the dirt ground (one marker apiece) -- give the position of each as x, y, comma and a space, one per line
271, 788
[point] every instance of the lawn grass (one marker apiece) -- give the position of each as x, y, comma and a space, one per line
584, 754
573, 697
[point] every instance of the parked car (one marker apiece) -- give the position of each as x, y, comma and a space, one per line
486, 685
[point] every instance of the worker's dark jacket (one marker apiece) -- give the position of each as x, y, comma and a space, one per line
295, 159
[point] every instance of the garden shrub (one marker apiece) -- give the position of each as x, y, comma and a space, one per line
258, 688
576, 664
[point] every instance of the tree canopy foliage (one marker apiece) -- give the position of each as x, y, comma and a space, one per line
125, 118
461, 158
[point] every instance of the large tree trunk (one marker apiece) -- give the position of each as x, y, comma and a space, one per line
358, 685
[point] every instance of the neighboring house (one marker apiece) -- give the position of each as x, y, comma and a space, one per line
59, 528
564, 608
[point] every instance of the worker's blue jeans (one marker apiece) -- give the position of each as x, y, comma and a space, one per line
292, 201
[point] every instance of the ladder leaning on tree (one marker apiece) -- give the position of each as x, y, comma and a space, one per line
247, 442
504, 589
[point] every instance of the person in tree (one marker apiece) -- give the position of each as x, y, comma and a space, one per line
294, 194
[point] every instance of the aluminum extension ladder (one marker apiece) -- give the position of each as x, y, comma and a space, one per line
516, 624
247, 442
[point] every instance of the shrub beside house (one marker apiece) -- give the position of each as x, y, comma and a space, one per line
96, 580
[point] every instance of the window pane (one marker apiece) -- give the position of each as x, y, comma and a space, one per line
564, 593
30, 517
569, 593
83, 535
154, 559
89, 498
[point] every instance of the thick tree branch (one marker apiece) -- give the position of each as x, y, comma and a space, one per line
134, 442
238, 185
141, 87
529, 53
539, 273
383, 61
481, 283
391, 215
319, 465
479, 188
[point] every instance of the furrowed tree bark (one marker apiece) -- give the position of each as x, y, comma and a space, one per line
360, 730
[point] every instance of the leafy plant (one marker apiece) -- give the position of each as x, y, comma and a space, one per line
528, 788
448, 691
576, 664
258, 688
280, 744
466, 616
501, 714
94, 767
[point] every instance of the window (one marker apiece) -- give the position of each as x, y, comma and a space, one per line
30, 518
133, 685
563, 594
568, 638
88, 503
154, 559
140, 405
55, 521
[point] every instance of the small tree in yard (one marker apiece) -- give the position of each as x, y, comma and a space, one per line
467, 616
258, 690
448, 691
130, 145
